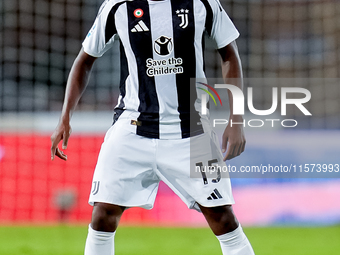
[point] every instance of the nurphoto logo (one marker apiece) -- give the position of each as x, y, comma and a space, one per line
238, 104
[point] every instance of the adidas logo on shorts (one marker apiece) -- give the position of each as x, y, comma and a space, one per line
215, 195
140, 27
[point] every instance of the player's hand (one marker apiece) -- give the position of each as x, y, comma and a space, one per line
233, 138
62, 132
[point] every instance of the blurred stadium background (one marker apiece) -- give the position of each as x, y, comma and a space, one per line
39, 40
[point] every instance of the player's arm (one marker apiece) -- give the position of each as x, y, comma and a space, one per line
233, 136
76, 84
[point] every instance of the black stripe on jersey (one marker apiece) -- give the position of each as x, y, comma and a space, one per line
184, 47
209, 18
203, 51
124, 70
110, 27
124, 73
110, 30
141, 44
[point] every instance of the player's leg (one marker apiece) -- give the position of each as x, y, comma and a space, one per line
123, 176
209, 193
228, 231
221, 219
105, 217
101, 233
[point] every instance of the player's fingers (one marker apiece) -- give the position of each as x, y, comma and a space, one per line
52, 153
66, 136
234, 150
239, 150
224, 144
54, 145
60, 154
230, 152
243, 146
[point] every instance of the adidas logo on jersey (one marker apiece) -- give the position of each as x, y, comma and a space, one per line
215, 195
140, 27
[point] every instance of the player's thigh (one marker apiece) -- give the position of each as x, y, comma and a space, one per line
124, 172
178, 167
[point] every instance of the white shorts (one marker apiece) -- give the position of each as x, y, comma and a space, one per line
130, 167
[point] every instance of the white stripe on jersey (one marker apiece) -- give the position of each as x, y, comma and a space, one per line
200, 14
165, 84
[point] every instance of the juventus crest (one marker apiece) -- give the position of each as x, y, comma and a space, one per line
95, 187
184, 15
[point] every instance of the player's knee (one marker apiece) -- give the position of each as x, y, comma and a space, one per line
221, 219
105, 217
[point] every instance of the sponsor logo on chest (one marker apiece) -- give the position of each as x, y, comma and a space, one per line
163, 47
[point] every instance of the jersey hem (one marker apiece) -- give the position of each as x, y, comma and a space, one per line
156, 135
144, 206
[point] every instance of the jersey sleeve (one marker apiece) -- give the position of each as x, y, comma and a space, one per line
103, 32
223, 30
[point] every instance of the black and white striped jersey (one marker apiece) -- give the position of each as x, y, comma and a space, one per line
162, 45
